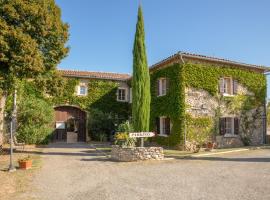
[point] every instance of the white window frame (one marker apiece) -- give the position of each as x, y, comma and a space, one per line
126, 97
79, 90
225, 87
232, 127
162, 88
162, 126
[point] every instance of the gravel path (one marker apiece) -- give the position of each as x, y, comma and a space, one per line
78, 172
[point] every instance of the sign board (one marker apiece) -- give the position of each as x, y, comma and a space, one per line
141, 134
60, 125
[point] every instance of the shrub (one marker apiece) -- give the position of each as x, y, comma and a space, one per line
122, 139
199, 130
125, 127
35, 117
122, 136
101, 125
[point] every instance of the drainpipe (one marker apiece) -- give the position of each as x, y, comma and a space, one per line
265, 122
265, 114
185, 127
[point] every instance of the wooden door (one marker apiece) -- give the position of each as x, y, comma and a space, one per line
65, 114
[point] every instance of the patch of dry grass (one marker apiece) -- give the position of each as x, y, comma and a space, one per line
16, 183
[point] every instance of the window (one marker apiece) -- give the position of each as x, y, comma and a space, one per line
122, 94
82, 90
163, 126
228, 86
162, 86
229, 126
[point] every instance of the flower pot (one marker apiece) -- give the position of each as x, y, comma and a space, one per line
210, 145
25, 164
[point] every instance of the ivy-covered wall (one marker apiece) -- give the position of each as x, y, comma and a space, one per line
206, 77
200, 76
101, 95
171, 105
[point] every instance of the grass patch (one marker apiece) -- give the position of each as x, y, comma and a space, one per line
15, 184
176, 153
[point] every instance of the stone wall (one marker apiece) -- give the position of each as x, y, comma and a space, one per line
201, 104
136, 153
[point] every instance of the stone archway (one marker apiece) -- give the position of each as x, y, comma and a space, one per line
70, 124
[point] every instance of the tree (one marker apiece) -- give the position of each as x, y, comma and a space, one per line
141, 80
35, 115
32, 37
32, 41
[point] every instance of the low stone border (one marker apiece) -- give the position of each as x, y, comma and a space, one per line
136, 153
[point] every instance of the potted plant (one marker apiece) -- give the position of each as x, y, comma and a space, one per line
25, 163
210, 145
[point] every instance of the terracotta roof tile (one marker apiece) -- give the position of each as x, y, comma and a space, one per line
184, 55
97, 75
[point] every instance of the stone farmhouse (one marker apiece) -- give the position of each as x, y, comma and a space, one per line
193, 97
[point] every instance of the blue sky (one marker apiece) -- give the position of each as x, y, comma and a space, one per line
102, 31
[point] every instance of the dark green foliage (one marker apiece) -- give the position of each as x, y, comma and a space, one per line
171, 105
35, 116
100, 124
141, 80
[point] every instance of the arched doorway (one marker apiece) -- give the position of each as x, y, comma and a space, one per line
70, 124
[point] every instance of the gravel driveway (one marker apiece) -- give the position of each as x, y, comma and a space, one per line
78, 172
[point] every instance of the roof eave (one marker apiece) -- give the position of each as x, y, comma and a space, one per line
93, 77
179, 56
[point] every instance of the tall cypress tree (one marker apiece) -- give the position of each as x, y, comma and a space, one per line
141, 97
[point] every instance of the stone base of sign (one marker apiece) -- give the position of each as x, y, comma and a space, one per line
136, 153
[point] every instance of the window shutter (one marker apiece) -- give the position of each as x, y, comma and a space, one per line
236, 126
78, 89
167, 85
221, 84
167, 126
222, 126
157, 88
158, 125
235, 86
117, 94
130, 95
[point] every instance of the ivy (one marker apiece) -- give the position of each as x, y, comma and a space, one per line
200, 76
199, 129
207, 77
101, 96
171, 105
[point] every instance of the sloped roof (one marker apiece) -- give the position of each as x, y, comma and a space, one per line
181, 56
95, 75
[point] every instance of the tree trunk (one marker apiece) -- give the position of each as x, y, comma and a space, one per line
2, 117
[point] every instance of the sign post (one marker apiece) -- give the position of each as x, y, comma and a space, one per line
12, 130
141, 135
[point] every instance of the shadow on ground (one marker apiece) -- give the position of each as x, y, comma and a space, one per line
223, 159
